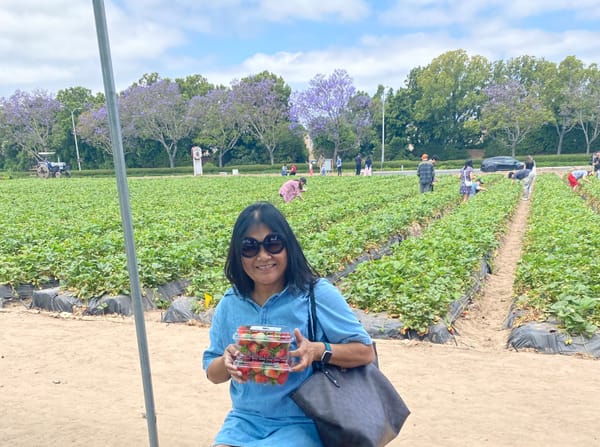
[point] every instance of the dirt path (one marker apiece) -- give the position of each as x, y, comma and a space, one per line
482, 327
76, 381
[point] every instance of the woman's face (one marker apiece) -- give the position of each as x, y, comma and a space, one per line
266, 269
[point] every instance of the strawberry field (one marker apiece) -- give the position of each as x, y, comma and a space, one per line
388, 248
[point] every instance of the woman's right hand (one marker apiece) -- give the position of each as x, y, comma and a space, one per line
229, 356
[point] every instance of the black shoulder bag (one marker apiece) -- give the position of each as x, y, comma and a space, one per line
351, 407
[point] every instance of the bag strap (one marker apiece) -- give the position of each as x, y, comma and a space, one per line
312, 314
312, 333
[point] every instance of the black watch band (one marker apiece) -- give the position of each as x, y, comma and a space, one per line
326, 357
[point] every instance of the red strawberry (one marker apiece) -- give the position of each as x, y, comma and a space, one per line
255, 366
261, 378
264, 353
283, 376
280, 353
245, 370
272, 372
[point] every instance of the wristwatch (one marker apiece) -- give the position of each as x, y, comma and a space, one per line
326, 357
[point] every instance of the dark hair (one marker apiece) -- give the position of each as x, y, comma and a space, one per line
511, 174
469, 163
299, 273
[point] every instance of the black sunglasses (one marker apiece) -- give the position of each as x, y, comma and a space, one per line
272, 243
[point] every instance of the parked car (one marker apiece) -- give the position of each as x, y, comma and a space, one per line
501, 163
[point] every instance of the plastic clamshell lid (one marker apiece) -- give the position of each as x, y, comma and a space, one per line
264, 343
279, 333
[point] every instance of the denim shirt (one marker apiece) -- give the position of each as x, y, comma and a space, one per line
289, 308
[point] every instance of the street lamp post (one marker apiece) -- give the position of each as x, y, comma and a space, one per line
75, 137
382, 127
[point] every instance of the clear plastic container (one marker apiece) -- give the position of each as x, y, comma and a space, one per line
263, 372
263, 343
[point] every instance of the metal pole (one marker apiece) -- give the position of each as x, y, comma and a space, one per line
75, 137
119, 160
382, 128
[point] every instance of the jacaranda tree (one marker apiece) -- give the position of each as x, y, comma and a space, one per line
159, 112
219, 123
323, 109
264, 110
28, 122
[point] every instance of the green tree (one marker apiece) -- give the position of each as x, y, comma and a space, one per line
450, 96
587, 108
194, 85
75, 101
558, 87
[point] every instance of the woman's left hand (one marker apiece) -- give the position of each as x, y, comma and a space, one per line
306, 353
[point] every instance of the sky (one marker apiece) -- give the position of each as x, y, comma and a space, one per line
51, 45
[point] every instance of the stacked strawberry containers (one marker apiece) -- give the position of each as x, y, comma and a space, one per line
264, 353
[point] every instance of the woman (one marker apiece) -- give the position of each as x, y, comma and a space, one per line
466, 180
368, 165
271, 279
528, 181
292, 189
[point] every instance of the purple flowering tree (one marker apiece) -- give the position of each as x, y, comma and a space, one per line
512, 112
28, 121
159, 112
324, 108
220, 123
359, 117
263, 109
92, 127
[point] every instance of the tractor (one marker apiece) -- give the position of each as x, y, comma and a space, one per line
46, 168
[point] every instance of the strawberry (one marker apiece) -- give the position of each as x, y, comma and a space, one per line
261, 378
272, 373
283, 376
264, 353
255, 366
280, 353
245, 370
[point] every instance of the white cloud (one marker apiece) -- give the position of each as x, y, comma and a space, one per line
53, 45
346, 10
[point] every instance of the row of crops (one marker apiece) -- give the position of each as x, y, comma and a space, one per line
433, 243
558, 276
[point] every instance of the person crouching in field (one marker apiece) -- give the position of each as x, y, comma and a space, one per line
523, 176
292, 189
579, 174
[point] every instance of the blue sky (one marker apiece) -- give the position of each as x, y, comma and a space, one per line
51, 44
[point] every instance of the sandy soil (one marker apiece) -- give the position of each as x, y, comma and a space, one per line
72, 381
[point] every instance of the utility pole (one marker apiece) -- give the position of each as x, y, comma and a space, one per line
75, 137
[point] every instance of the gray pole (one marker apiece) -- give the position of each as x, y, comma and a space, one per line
119, 160
382, 127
